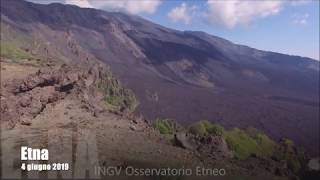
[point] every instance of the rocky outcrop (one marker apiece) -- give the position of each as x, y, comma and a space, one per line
184, 141
22, 100
213, 146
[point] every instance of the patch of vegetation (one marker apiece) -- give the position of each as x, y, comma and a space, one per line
214, 128
198, 128
117, 98
266, 145
206, 128
13, 52
291, 154
166, 126
242, 142
247, 142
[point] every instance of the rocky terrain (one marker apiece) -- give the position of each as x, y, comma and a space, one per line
46, 104
38, 104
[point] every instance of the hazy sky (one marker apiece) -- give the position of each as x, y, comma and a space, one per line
286, 26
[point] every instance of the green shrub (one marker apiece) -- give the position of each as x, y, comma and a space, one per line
115, 100
117, 97
244, 144
206, 128
198, 128
166, 126
215, 129
292, 155
266, 145
241, 143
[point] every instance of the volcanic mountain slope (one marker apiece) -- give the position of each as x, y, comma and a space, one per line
65, 109
83, 115
186, 75
56, 105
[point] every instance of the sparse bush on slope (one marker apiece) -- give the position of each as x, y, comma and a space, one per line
206, 128
166, 126
198, 128
214, 128
242, 142
117, 97
245, 144
291, 154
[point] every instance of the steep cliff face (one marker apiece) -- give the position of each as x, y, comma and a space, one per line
187, 76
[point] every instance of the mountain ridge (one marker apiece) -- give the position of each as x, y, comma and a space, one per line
172, 29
